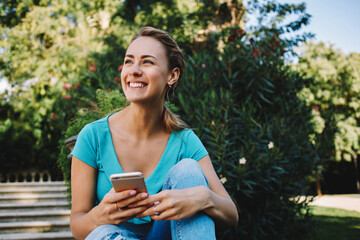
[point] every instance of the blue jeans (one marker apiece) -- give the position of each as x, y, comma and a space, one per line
185, 174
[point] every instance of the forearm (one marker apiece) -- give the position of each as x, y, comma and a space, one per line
82, 224
220, 208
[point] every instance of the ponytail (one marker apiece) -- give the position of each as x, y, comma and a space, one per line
172, 121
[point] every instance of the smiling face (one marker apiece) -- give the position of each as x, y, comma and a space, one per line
145, 72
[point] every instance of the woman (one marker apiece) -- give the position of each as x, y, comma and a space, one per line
182, 184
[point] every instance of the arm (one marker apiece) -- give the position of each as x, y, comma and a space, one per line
85, 216
83, 187
220, 206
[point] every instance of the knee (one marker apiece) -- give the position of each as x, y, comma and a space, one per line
187, 173
188, 164
102, 231
187, 167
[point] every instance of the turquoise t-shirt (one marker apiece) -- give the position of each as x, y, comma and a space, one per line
94, 146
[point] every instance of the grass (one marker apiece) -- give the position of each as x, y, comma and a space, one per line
334, 224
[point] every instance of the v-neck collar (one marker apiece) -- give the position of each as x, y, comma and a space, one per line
116, 167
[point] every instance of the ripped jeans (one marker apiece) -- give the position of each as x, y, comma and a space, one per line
185, 174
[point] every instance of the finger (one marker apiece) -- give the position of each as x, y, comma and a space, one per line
129, 212
151, 199
126, 202
151, 210
166, 215
118, 196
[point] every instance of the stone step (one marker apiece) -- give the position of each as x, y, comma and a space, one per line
35, 190
65, 235
31, 197
36, 215
34, 226
31, 184
4, 207
34, 211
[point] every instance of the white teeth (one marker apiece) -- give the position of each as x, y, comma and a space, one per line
136, 85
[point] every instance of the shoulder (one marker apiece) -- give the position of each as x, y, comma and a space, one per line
188, 136
94, 127
185, 134
192, 146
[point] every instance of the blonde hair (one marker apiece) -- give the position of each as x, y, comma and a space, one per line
175, 60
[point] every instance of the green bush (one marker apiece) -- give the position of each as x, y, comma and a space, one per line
243, 102
106, 102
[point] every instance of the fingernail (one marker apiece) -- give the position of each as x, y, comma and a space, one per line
144, 195
132, 193
156, 203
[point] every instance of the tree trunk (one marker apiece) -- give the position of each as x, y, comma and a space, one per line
357, 173
318, 185
229, 14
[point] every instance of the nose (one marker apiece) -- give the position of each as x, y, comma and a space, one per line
136, 71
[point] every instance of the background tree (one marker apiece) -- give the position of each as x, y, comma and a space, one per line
43, 62
52, 66
334, 94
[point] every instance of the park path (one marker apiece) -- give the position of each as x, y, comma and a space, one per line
344, 201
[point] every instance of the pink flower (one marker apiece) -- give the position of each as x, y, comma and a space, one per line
240, 31
316, 108
67, 97
67, 86
256, 52
53, 116
120, 68
203, 65
76, 85
92, 68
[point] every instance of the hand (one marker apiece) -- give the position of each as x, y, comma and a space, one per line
113, 208
174, 204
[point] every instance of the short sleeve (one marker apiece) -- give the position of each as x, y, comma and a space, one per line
194, 148
85, 147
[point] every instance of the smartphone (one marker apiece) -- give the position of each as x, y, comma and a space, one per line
128, 181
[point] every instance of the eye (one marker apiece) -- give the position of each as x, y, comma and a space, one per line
127, 61
147, 61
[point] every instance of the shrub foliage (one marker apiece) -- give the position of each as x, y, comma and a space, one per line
243, 102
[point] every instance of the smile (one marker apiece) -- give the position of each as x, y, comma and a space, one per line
136, 84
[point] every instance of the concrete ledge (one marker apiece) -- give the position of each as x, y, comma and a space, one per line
40, 190
65, 235
63, 203
34, 226
32, 197
32, 184
35, 215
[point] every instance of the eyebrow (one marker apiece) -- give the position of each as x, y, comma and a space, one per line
143, 56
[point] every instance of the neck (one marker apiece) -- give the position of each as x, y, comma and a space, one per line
144, 121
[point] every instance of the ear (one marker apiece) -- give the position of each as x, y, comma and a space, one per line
174, 76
